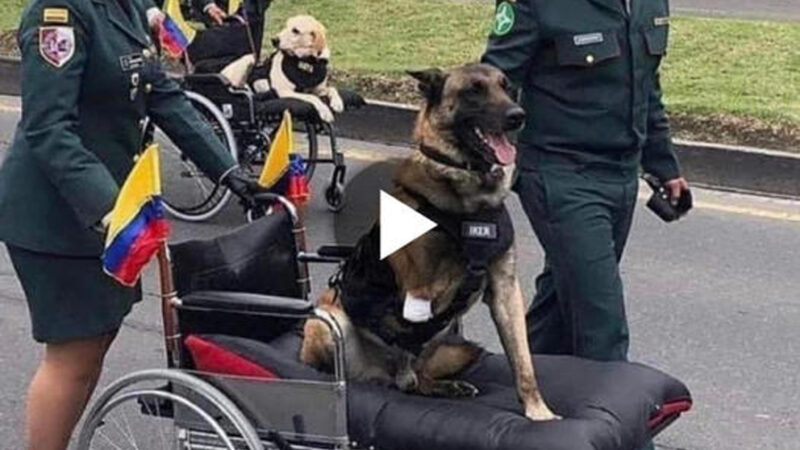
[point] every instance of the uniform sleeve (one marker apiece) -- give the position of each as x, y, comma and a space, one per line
52, 71
658, 156
171, 110
513, 40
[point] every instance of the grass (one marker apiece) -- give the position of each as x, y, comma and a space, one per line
743, 68
10, 11
721, 76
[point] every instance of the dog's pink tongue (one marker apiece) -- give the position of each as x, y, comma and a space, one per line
504, 151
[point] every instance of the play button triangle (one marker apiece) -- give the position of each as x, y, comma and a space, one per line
399, 224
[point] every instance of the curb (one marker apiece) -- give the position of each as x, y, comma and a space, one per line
746, 169
723, 166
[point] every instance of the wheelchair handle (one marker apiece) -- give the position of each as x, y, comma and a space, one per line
267, 198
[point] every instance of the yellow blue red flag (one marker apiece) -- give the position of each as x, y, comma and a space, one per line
277, 163
233, 6
176, 34
137, 225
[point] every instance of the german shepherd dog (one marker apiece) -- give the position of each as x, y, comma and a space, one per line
464, 166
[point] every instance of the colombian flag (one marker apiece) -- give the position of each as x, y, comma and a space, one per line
284, 172
175, 34
138, 226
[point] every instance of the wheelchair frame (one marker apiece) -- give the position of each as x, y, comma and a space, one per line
245, 412
248, 136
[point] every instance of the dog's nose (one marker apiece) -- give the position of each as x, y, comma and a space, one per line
515, 117
275, 42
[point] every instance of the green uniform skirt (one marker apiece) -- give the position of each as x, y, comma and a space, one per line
70, 297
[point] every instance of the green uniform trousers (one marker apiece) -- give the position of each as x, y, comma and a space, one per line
581, 208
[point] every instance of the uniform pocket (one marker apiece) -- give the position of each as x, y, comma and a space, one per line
656, 39
586, 49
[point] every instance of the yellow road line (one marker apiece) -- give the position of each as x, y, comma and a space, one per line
10, 108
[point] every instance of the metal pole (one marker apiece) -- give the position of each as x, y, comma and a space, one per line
169, 299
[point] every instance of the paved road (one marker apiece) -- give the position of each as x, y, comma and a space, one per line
713, 300
763, 9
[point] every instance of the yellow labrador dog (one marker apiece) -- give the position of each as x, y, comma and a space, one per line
299, 66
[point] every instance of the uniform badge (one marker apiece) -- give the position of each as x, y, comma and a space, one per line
661, 21
587, 39
55, 15
503, 19
57, 45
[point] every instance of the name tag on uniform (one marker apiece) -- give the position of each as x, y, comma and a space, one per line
131, 62
479, 230
661, 21
55, 15
587, 39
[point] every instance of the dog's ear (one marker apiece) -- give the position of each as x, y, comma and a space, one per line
431, 83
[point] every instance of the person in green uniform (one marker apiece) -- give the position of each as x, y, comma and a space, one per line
588, 71
89, 78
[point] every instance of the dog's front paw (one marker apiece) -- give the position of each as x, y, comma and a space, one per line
450, 389
337, 105
324, 112
541, 413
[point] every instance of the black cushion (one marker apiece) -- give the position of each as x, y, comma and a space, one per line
258, 258
606, 405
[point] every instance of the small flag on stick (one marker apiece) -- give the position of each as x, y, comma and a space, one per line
278, 157
176, 34
285, 172
138, 225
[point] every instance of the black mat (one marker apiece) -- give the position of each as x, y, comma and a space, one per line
605, 405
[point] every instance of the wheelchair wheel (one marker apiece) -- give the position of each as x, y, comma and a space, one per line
188, 193
166, 410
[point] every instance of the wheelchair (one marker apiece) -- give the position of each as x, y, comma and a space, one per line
245, 122
233, 308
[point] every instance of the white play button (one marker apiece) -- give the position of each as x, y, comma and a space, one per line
399, 224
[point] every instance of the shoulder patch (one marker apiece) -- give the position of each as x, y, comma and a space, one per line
56, 45
504, 18
55, 15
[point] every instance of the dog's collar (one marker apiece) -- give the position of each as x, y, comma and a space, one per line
430, 152
310, 59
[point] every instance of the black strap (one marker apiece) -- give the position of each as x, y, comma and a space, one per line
479, 166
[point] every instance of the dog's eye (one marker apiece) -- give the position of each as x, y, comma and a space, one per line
295, 31
476, 87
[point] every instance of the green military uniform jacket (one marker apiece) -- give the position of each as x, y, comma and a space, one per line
589, 74
89, 77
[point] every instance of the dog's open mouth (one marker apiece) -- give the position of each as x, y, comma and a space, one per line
495, 145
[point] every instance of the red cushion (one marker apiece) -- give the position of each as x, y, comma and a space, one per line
210, 357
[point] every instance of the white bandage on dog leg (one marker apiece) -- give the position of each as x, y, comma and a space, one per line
417, 309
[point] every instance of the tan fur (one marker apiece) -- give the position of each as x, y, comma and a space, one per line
431, 266
303, 36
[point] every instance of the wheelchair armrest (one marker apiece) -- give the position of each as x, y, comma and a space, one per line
336, 251
335, 254
243, 302
206, 79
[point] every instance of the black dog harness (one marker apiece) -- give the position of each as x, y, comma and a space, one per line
305, 73
372, 298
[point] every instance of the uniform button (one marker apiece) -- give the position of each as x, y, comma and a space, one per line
590, 59
148, 87
147, 53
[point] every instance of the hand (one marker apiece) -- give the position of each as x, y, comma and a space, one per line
675, 187
243, 186
155, 19
216, 13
